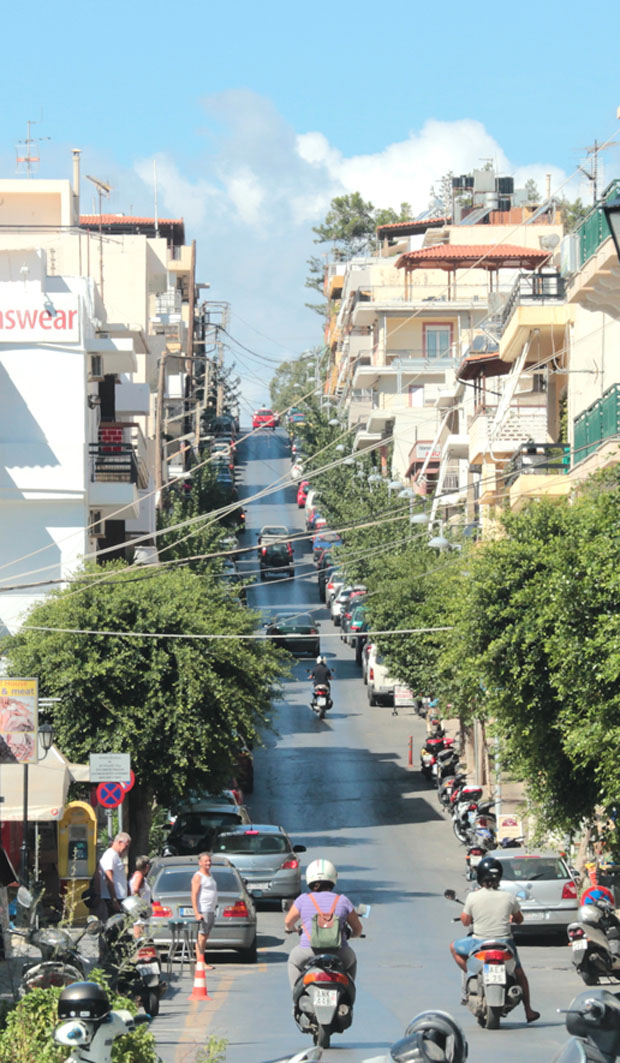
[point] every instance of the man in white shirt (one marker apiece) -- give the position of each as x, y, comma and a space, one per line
204, 903
113, 875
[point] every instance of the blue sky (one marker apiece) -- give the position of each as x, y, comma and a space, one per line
259, 114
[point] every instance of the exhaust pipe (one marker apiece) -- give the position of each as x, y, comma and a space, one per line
515, 994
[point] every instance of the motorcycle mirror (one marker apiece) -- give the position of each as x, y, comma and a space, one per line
286, 905
450, 895
363, 910
24, 897
93, 925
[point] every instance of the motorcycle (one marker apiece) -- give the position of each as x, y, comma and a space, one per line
88, 1026
434, 745
132, 964
61, 962
464, 811
594, 1021
595, 942
324, 993
321, 700
490, 988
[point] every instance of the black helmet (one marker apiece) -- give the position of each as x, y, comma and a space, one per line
489, 870
431, 1036
83, 1000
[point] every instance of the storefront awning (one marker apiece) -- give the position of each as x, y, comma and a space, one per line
48, 785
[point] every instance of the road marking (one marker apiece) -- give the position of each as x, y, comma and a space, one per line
196, 1029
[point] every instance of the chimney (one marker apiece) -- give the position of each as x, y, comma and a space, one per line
76, 152
548, 186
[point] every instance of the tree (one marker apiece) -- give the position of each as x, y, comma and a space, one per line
290, 384
573, 213
180, 707
533, 195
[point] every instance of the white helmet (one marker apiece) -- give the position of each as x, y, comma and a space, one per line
319, 659
321, 871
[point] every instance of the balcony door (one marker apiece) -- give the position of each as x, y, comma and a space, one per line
437, 340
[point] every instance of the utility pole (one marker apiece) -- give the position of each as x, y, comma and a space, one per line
159, 423
592, 172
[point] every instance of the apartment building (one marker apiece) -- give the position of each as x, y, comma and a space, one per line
87, 307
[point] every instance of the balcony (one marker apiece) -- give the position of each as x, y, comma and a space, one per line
181, 259
522, 422
117, 464
401, 363
537, 301
600, 422
435, 299
537, 470
534, 289
594, 229
591, 256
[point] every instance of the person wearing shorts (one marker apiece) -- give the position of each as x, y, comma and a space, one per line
204, 903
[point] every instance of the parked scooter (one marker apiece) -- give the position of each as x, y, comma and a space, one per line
595, 941
88, 1025
490, 987
132, 964
61, 962
433, 746
593, 1019
324, 994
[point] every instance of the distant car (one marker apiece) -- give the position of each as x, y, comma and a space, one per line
231, 574
266, 859
296, 632
170, 880
335, 583
346, 609
356, 625
544, 887
263, 418
197, 824
364, 662
270, 533
297, 446
324, 540
226, 481
276, 559
297, 471
379, 682
302, 492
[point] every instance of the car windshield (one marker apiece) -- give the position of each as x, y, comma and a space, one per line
179, 880
526, 868
277, 550
294, 623
252, 843
202, 822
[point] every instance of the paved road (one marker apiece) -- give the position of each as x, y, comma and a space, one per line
343, 788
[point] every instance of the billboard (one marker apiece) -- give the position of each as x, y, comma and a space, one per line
18, 721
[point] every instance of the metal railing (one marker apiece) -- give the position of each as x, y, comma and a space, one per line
113, 463
538, 459
533, 289
599, 422
594, 229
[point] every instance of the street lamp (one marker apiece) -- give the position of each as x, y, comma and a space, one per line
611, 210
438, 542
334, 422
46, 739
374, 478
419, 518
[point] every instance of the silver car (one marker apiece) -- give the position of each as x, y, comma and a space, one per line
170, 880
265, 858
543, 885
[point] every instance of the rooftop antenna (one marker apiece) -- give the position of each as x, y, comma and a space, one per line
592, 172
103, 189
27, 152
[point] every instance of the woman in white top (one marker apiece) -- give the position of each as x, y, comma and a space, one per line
139, 887
204, 903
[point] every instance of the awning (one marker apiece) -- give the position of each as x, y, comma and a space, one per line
48, 785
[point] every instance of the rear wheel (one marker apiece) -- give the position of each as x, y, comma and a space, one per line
588, 976
371, 696
250, 954
492, 1017
322, 1036
150, 1002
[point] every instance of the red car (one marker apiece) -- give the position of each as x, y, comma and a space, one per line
263, 418
302, 493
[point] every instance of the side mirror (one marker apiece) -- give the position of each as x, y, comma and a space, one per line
24, 897
450, 895
93, 925
363, 910
299, 848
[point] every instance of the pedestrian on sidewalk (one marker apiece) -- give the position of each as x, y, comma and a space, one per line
204, 903
113, 877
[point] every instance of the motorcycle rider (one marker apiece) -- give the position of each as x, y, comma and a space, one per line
320, 674
321, 877
490, 912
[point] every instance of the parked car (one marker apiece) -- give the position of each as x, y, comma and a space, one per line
297, 446
197, 823
296, 632
302, 493
341, 600
297, 470
263, 418
323, 568
225, 480
364, 662
544, 886
295, 416
335, 583
324, 540
276, 559
379, 682
170, 880
266, 859
231, 574
346, 611
357, 623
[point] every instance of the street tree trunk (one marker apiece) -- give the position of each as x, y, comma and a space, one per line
140, 800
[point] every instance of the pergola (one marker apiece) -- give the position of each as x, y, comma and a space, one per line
453, 257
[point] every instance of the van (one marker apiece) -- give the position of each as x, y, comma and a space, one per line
380, 684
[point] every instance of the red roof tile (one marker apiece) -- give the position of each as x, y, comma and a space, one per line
481, 256
407, 227
125, 219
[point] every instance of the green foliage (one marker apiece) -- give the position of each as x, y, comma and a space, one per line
573, 213
27, 1036
291, 384
533, 195
213, 1052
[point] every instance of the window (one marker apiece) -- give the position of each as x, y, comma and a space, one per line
437, 340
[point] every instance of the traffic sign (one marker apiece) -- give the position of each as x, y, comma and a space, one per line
110, 794
128, 783
106, 767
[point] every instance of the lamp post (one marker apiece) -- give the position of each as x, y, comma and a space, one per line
46, 738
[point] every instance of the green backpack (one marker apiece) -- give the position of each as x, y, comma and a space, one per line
325, 927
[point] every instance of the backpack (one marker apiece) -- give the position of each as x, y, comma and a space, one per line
326, 932
91, 896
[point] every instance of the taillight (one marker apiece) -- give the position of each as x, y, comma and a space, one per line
493, 955
472, 808
147, 953
160, 911
576, 932
371, 673
289, 548
313, 631
483, 821
325, 976
264, 551
569, 892
238, 910
290, 865
476, 852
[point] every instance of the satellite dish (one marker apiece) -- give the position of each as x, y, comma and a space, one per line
549, 243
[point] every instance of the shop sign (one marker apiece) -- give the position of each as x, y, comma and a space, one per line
19, 712
47, 319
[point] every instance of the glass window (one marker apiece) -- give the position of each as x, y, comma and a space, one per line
525, 869
254, 844
179, 880
437, 340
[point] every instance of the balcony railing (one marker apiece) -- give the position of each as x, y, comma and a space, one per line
533, 289
113, 464
538, 459
594, 229
599, 422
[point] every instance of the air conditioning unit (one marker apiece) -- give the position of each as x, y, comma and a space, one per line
95, 367
96, 524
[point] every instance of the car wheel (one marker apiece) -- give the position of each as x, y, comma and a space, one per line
371, 696
250, 954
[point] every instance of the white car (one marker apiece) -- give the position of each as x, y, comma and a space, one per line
333, 586
380, 683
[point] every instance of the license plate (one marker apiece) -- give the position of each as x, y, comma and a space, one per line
325, 997
260, 885
426, 759
474, 861
321, 702
534, 917
580, 946
187, 913
148, 968
494, 974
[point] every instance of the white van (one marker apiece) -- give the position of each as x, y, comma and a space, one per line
380, 684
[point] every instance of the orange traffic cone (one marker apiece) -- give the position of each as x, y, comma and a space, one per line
199, 992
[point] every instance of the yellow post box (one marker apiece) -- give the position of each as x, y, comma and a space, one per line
77, 856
